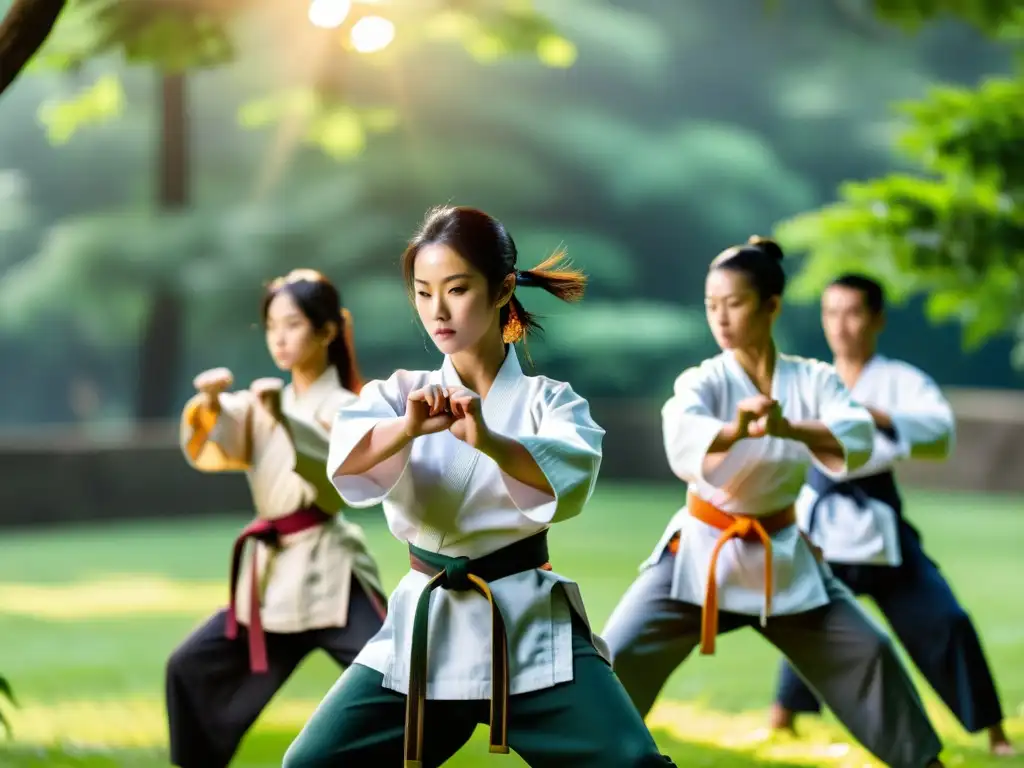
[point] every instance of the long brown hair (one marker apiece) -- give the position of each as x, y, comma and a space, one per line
318, 299
484, 242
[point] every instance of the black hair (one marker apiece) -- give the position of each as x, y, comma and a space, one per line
484, 242
318, 299
760, 260
874, 294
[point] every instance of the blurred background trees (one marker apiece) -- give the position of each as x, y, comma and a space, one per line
162, 164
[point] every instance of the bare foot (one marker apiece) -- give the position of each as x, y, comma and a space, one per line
998, 742
781, 719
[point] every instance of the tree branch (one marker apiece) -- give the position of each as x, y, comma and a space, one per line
23, 31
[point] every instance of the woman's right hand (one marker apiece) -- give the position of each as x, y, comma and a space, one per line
752, 417
211, 383
427, 411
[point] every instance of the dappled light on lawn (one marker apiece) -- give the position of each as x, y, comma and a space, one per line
747, 732
821, 742
86, 645
116, 723
690, 732
123, 596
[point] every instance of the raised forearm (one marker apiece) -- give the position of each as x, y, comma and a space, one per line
211, 402
724, 440
820, 441
881, 418
515, 461
381, 443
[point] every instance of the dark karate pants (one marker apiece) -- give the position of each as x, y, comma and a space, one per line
586, 723
212, 696
933, 627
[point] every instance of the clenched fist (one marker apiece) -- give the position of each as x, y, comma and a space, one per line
211, 383
268, 393
760, 416
427, 411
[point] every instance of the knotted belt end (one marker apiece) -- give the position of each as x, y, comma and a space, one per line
462, 574
734, 527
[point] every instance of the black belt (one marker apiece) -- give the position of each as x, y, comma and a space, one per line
881, 487
462, 574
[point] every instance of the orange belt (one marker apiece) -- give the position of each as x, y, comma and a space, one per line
732, 527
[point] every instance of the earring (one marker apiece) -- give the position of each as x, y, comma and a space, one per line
513, 330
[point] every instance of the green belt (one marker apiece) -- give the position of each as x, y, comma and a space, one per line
461, 574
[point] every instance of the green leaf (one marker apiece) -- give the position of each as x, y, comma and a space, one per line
96, 104
950, 238
170, 37
340, 130
995, 17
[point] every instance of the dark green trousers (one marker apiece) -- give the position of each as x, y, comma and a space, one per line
586, 723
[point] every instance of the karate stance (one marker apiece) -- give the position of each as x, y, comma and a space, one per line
309, 581
741, 429
857, 520
474, 462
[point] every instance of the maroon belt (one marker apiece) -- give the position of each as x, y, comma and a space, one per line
269, 532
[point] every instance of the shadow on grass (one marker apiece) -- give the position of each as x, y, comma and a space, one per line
264, 749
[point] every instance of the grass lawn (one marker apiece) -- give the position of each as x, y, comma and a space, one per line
88, 616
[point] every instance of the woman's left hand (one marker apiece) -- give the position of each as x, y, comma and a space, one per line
772, 424
469, 426
268, 394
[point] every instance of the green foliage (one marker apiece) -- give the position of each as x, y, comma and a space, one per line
956, 234
488, 29
970, 132
607, 340
103, 266
98, 103
171, 35
991, 16
339, 129
186, 35
642, 173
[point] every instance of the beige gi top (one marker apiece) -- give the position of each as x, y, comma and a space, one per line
307, 581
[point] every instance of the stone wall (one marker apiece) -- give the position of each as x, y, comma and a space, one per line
58, 475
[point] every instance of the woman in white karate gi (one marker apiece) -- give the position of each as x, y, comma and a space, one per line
741, 430
857, 520
473, 462
309, 581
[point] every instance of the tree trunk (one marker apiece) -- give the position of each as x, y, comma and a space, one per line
162, 344
22, 32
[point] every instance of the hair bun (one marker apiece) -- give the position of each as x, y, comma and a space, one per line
768, 246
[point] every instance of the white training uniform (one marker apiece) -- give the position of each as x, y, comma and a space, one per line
442, 495
925, 428
758, 476
306, 583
